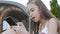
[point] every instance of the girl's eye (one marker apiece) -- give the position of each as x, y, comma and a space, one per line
31, 9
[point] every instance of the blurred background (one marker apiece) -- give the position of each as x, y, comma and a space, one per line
52, 5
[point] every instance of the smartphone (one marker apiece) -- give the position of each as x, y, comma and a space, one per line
11, 21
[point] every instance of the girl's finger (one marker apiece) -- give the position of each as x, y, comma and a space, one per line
20, 24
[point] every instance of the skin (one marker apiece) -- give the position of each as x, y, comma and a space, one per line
20, 29
35, 15
52, 24
34, 12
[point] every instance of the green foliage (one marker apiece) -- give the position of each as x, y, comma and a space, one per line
55, 8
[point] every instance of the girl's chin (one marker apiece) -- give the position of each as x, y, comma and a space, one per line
35, 21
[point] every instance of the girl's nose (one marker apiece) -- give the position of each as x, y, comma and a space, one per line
31, 15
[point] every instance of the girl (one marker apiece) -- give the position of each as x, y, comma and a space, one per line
39, 14
44, 22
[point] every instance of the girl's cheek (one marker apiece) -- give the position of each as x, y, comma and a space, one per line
42, 33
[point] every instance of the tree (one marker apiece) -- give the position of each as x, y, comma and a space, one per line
55, 8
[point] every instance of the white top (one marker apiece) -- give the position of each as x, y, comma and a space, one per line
45, 30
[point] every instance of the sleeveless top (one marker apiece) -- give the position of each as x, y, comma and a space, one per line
45, 30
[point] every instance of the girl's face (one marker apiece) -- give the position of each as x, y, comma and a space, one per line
34, 12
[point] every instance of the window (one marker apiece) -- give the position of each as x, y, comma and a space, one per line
5, 25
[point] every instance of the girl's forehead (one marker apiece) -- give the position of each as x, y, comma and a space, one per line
31, 5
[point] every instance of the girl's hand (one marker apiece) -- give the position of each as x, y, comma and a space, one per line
20, 29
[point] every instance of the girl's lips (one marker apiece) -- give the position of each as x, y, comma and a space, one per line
33, 17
